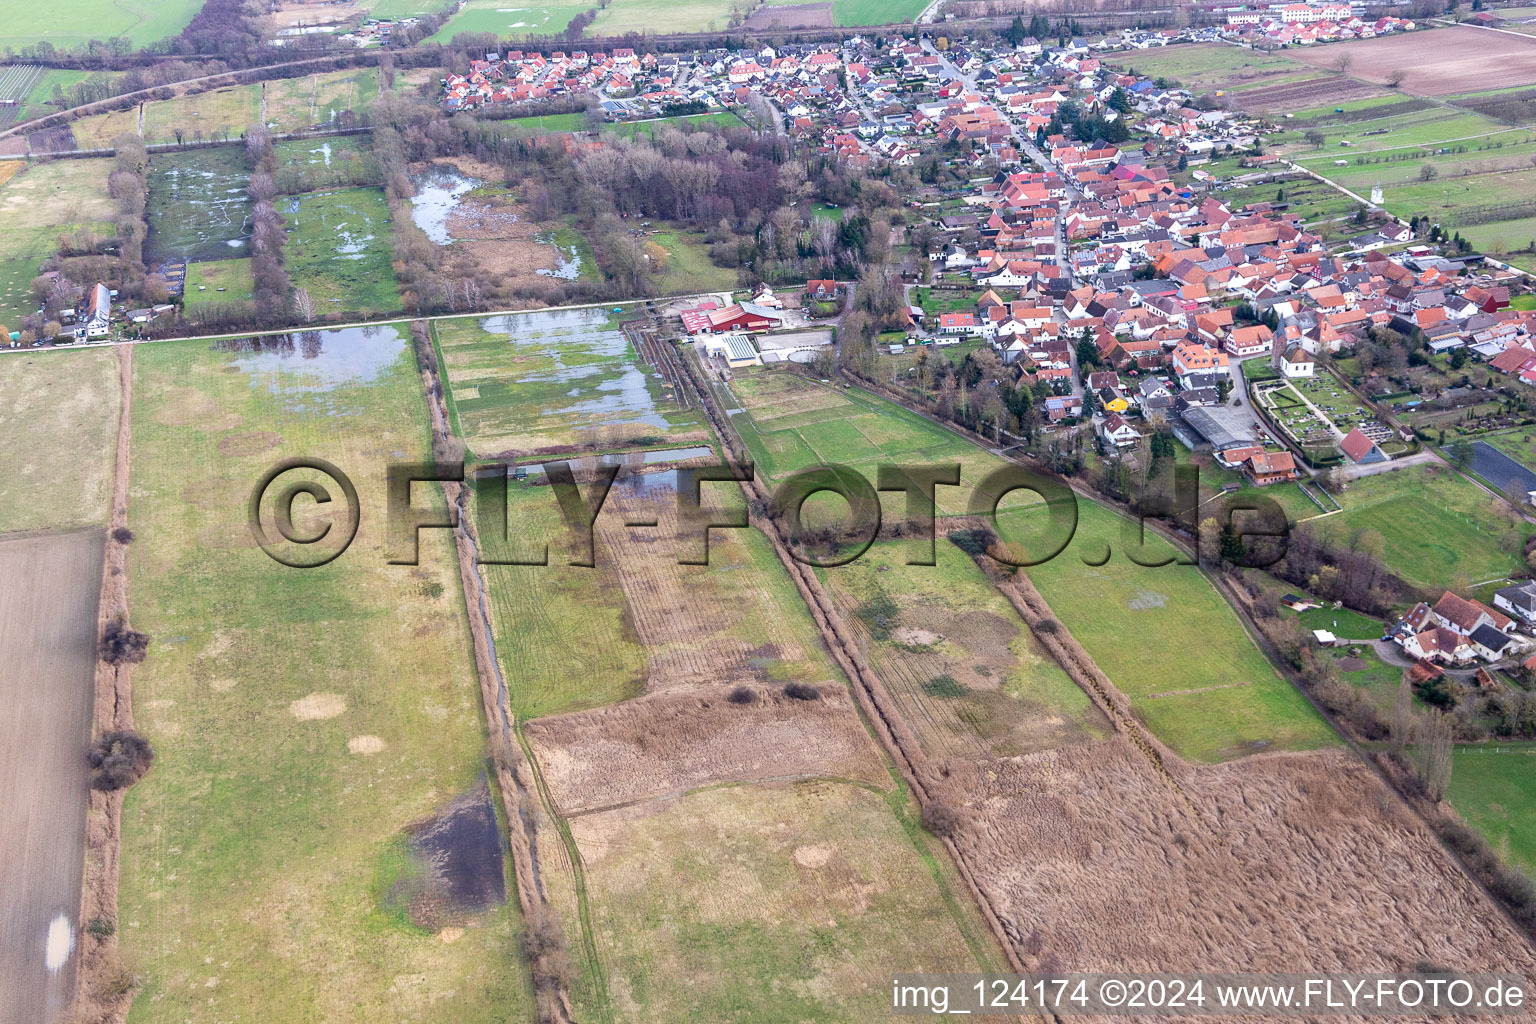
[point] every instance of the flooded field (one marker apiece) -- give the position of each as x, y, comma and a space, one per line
338, 250
48, 643
317, 361
198, 209
438, 192
555, 381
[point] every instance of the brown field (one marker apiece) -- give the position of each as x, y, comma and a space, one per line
48, 645
313, 12
1275, 862
745, 815
1291, 96
1439, 62
668, 744
790, 16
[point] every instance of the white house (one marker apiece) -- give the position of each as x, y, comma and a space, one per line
1297, 363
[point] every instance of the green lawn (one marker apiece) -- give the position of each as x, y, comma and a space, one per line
1436, 528
79, 21
302, 719
504, 20
215, 282
1493, 786
1170, 642
554, 382
338, 249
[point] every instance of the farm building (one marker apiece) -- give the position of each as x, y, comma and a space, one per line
1227, 431
739, 316
735, 348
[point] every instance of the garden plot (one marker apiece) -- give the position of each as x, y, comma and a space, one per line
556, 381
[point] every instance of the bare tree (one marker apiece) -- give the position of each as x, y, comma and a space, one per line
304, 305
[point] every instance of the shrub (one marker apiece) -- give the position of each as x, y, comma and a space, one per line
123, 535
802, 691
943, 686
1047, 626
119, 759
122, 646
940, 819
742, 695
101, 927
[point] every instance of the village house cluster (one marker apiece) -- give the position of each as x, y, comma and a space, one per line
1300, 24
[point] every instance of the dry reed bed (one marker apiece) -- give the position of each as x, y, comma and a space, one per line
662, 745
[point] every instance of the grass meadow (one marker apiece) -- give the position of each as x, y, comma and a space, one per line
774, 902
1164, 635
338, 249
58, 424
301, 718
78, 22
1493, 786
214, 282
688, 266
1436, 528
1170, 642
964, 671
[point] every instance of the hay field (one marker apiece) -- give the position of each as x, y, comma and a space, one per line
48, 644
555, 381
58, 424
1277, 862
304, 719
764, 902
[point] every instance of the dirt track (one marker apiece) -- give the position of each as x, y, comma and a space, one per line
48, 647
